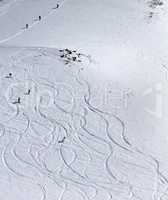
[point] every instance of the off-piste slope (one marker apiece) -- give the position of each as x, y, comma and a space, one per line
19, 16
54, 144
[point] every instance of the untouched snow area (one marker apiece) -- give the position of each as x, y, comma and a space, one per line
83, 98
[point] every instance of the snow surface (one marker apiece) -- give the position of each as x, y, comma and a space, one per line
83, 98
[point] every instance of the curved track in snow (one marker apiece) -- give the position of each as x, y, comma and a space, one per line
51, 137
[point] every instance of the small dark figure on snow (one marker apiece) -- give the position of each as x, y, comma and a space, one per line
18, 101
151, 14
57, 6
27, 26
9, 75
28, 92
39, 18
62, 141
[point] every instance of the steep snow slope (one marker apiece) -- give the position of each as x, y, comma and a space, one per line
117, 34
89, 127
57, 143
28, 12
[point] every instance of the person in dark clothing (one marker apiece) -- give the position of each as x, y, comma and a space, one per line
62, 141
18, 101
57, 6
9, 75
39, 17
27, 26
28, 92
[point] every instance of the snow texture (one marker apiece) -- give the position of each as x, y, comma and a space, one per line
83, 100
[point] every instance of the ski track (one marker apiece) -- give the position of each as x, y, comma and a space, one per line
34, 23
33, 153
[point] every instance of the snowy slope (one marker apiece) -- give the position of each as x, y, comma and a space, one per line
50, 146
83, 100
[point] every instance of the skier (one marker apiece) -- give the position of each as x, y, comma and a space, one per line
62, 141
57, 6
27, 26
17, 102
39, 18
28, 92
9, 75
